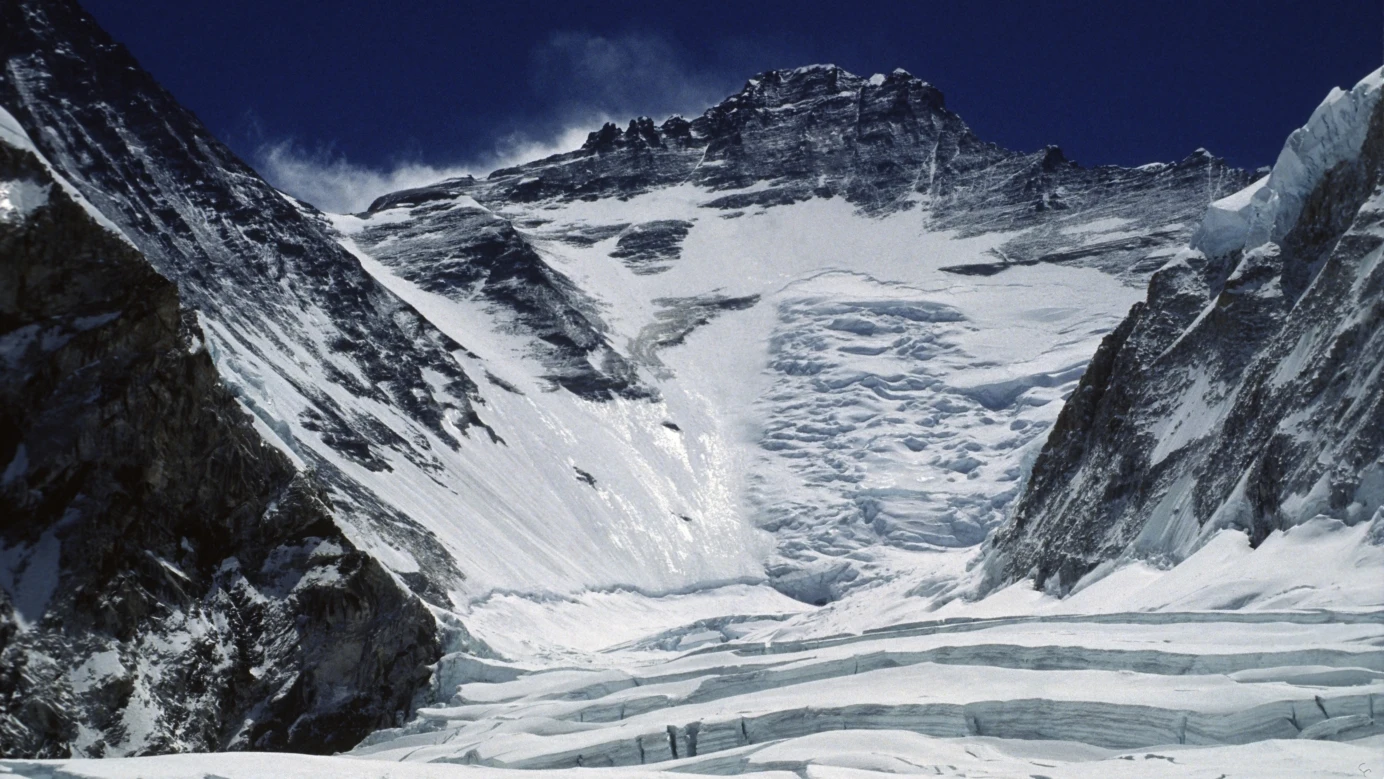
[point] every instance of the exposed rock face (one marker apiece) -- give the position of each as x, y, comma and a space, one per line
884, 143
464, 250
1245, 392
347, 377
648, 248
170, 581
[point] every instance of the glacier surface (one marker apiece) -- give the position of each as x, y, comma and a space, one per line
698, 431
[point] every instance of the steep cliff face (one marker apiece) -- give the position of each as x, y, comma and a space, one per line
170, 581
343, 375
1245, 391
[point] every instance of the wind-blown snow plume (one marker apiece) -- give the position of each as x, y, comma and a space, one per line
622, 76
333, 183
583, 80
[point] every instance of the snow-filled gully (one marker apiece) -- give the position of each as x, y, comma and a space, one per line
1116, 681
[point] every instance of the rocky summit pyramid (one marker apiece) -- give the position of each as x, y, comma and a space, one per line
810, 432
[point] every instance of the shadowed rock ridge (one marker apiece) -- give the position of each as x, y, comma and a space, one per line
292, 319
1244, 392
883, 143
173, 583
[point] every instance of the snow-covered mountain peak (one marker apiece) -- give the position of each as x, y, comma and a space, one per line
733, 399
746, 138
813, 246
1268, 208
776, 88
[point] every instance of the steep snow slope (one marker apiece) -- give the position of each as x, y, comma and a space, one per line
1245, 393
167, 580
846, 318
341, 375
834, 386
350, 381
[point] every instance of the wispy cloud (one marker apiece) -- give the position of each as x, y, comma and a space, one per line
332, 183
580, 79
520, 147
625, 75
327, 179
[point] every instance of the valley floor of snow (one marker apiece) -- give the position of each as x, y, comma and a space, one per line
1238, 662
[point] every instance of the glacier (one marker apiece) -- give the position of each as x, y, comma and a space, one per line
701, 445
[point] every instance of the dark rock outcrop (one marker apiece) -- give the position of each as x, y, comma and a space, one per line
648, 248
884, 143
171, 581
292, 320
1244, 393
464, 251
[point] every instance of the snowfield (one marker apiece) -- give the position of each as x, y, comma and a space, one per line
1231, 664
861, 398
709, 490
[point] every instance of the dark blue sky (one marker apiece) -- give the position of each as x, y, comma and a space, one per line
355, 86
